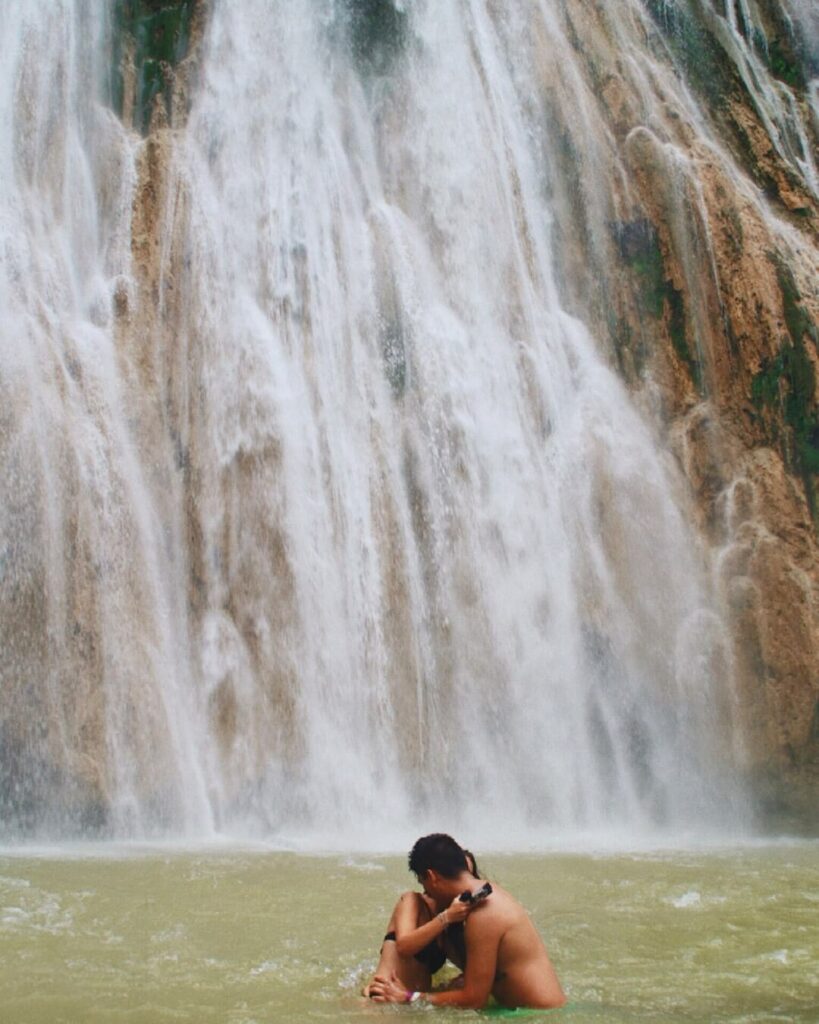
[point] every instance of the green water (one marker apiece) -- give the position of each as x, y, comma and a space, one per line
241, 937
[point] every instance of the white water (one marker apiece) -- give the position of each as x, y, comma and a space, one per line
93, 679
367, 531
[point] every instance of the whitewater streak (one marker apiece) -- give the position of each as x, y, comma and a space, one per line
361, 528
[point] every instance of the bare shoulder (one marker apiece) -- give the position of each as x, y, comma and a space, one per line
413, 903
504, 902
412, 897
494, 914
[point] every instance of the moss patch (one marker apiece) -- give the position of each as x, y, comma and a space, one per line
784, 65
677, 332
783, 46
160, 33
630, 350
713, 75
657, 297
639, 248
787, 383
700, 55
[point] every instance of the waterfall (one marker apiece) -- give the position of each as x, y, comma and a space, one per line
95, 726
356, 530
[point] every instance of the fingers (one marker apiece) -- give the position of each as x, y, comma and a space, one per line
385, 990
457, 911
378, 995
378, 987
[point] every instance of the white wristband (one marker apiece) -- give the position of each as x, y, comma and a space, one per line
414, 997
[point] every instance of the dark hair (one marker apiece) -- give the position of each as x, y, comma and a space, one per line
473, 866
439, 852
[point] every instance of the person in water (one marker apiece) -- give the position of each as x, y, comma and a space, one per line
422, 934
504, 955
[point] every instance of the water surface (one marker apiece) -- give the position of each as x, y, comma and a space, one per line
247, 936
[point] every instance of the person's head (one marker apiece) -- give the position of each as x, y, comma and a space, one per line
471, 863
439, 852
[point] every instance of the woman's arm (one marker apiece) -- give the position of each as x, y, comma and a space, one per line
481, 965
410, 937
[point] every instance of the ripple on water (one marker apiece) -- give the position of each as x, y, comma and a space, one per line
362, 865
266, 967
13, 883
688, 899
36, 911
176, 933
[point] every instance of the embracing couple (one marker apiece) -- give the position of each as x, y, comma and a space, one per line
478, 926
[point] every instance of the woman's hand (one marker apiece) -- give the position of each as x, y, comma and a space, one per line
388, 990
457, 911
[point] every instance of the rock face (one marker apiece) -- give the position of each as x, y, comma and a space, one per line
677, 142
690, 226
687, 211
686, 197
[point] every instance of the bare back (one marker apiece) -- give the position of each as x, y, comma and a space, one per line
523, 974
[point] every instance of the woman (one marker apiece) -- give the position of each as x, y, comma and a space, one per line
417, 945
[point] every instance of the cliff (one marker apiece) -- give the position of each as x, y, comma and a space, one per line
687, 219
676, 142
688, 187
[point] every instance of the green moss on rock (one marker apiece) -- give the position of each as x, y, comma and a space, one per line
700, 55
783, 46
787, 382
160, 34
784, 65
640, 249
690, 31
797, 318
678, 335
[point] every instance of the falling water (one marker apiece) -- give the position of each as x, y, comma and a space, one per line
360, 532
95, 670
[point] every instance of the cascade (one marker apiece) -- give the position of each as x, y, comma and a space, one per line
323, 512
95, 731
